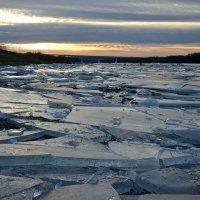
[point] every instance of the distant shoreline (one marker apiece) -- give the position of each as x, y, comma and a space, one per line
13, 58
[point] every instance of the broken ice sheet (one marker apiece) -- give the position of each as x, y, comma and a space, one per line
14, 187
86, 120
38, 154
71, 130
160, 197
89, 192
153, 156
20, 96
127, 118
168, 181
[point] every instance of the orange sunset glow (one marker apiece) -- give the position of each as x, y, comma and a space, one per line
104, 49
120, 36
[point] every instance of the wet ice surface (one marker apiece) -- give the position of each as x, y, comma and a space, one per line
100, 131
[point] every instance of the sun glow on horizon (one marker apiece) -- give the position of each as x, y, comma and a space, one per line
53, 47
110, 49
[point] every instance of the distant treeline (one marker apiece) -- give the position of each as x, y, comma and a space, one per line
13, 58
190, 58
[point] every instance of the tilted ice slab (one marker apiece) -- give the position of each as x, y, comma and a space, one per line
168, 181
70, 91
13, 79
66, 101
138, 120
171, 114
152, 155
166, 103
160, 197
26, 135
22, 188
28, 154
179, 88
160, 84
20, 96
58, 129
85, 191
180, 124
131, 119
78, 152
71, 142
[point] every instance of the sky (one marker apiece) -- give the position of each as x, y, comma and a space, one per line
101, 27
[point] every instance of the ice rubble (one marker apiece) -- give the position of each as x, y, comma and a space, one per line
22, 188
99, 131
159, 197
168, 181
89, 192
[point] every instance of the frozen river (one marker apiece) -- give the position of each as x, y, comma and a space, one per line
103, 131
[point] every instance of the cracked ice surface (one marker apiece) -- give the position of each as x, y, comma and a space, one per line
100, 131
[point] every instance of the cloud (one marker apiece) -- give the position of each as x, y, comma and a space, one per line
24, 33
129, 22
110, 9
15, 16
